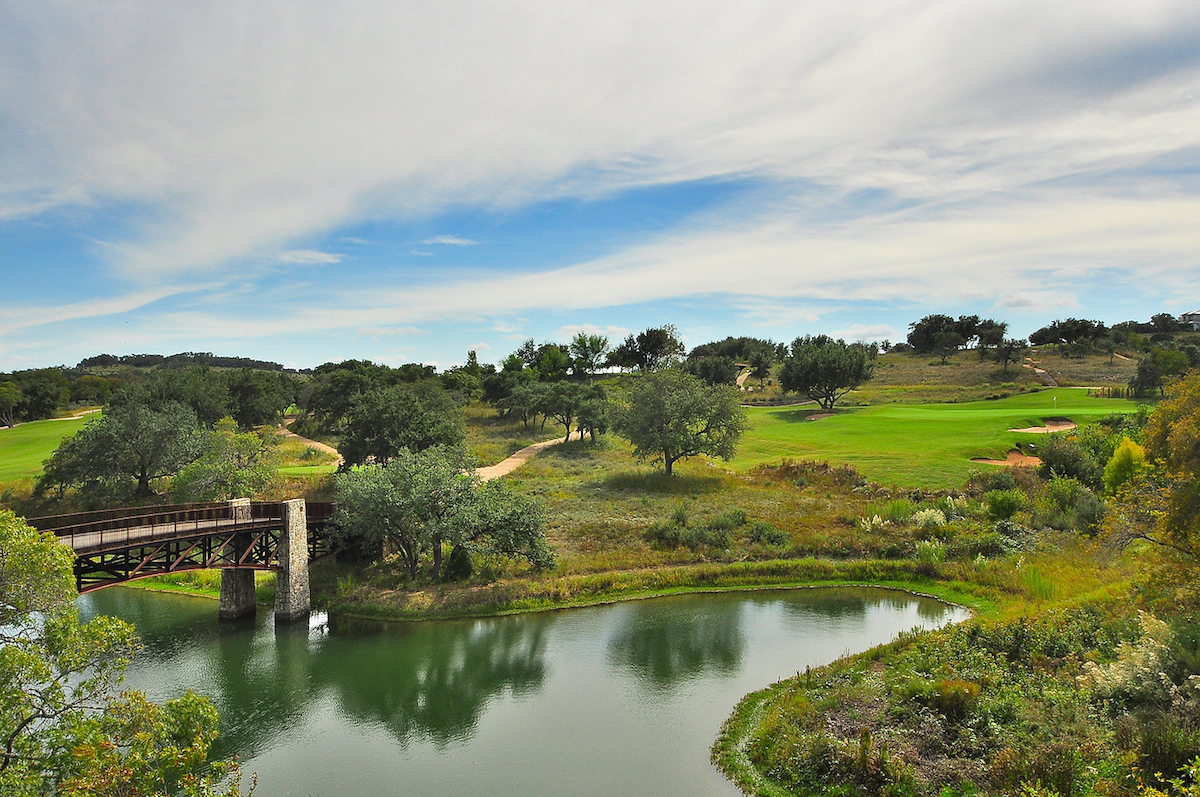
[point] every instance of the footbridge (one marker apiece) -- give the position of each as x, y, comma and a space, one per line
240, 536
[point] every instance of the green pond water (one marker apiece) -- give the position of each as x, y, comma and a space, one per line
617, 700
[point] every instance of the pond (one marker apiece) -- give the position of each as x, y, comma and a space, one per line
624, 699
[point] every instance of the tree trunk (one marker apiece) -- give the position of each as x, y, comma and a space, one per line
437, 557
667, 464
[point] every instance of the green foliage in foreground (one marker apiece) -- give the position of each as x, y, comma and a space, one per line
919, 445
982, 708
24, 448
63, 730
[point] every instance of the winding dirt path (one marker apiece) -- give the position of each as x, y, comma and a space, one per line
506, 466
501, 468
288, 433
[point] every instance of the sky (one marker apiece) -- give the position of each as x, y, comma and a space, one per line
305, 182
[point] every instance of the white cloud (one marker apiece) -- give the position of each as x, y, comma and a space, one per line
371, 109
449, 240
308, 257
866, 332
613, 333
387, 331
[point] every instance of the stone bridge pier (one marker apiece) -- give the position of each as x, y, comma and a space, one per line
291, 580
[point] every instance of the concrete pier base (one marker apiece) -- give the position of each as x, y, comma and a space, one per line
237, 586
291, 583
237, 594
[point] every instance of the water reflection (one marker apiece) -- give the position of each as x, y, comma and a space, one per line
431, 681
533, 705
665, 644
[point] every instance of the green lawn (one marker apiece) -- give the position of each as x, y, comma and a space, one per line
913, 445
25, 447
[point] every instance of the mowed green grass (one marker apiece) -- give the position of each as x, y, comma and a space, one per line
913, 445
24, 447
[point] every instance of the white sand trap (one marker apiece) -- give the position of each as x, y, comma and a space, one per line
1052, 425
1015, 459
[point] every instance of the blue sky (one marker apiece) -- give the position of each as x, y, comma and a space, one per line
404, 182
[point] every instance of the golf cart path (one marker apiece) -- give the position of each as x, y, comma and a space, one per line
288, 433
501, 468
506, 466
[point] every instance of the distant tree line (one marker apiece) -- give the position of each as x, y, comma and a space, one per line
181, 360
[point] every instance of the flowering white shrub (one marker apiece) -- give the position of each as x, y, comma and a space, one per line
928, 518
1139, 671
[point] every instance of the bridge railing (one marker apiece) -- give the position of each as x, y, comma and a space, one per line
55, 522
87, 532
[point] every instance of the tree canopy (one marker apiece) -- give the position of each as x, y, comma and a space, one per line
650, 350
125, 450
943, 335
384, 421
62, 728
672, 415
824, 369
420, 502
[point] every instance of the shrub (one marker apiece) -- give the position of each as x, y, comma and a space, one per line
1003, 504
953, 508
1064, 456
928, 518
1066, 504
899, 510
1127, 460
763, 532
994, 480
458, 565
733, 519
954, 698
930, 552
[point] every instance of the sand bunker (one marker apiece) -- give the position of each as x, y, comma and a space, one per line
816, 416
1052, 425
1014, 459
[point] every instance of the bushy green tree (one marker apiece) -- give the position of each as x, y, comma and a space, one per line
650, 350
62, 729
714, 370
416, 416
125, 451
422, 502
824, 369
588, 352
672, 415
232, 464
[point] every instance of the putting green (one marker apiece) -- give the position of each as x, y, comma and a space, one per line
913, 445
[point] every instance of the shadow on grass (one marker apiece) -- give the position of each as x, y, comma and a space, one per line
802, 414
661, 483
576, 448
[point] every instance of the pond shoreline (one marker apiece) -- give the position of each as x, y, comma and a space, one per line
634, 585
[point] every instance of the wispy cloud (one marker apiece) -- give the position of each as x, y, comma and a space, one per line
449, 240
613, 333
866, 332
308, 257
283, 141
388, 331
